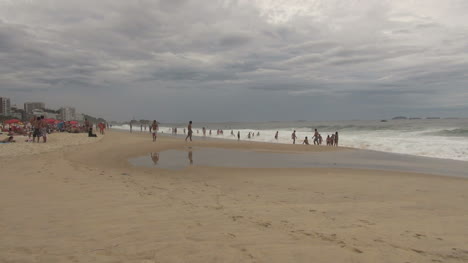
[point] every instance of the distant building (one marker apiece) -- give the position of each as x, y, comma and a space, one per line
38, 113
79, 117
5, 107
51, 115
30, 106
18, 113
67, 114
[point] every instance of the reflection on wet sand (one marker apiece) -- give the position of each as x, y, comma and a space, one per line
155, 158
190, 157
357, 159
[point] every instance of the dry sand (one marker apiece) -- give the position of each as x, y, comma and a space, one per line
87, 204
55, 141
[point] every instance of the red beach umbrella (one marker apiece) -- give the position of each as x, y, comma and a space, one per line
50, 121
73, 122
12, 121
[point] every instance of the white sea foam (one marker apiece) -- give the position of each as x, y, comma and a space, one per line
431, 140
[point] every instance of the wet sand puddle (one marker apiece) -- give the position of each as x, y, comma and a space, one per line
357, 159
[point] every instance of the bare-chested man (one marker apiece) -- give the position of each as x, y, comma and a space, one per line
37, 129
189, 130
154, 128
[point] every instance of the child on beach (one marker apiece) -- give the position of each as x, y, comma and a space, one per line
306, 141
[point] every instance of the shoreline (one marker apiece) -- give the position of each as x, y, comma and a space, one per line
299, 142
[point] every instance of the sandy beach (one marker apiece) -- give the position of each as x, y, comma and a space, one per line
78, 199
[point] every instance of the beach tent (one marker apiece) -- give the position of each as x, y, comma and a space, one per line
12, 121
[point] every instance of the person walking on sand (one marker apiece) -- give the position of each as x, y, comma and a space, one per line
294, 137
189, 129
154, 128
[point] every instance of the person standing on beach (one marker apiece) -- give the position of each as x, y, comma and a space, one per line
37, 129
189, 130
294, 137
154, 128
238, 135
141, 127
276, 135
43, 129
336, 138
131, 126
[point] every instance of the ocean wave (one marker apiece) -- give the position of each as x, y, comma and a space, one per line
451, 133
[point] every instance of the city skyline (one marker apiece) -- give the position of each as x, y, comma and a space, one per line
260, 60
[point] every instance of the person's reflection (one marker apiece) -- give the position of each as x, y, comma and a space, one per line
155, 158
190, 157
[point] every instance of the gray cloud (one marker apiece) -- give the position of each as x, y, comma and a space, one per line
168, 57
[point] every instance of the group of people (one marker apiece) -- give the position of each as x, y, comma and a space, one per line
317, 138
39, 127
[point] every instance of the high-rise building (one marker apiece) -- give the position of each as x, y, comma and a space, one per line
30, 106
67, 113
5, 107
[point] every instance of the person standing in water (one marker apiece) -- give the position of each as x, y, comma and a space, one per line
189, 130
131, 126
294, 137
316, 137
238, 135
336, 138
154, 128
276, 135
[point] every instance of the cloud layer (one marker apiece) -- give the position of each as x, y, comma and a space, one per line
238, 60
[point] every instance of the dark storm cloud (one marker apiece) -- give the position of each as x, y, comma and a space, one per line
170, 53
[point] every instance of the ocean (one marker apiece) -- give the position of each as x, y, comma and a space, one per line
439, 138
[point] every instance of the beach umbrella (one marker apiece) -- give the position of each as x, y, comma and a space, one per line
12, 121
50, 121
73, 122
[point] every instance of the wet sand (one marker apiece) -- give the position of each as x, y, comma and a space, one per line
87, 203
349, 158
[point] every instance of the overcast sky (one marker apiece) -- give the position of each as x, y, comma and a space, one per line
244, 60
